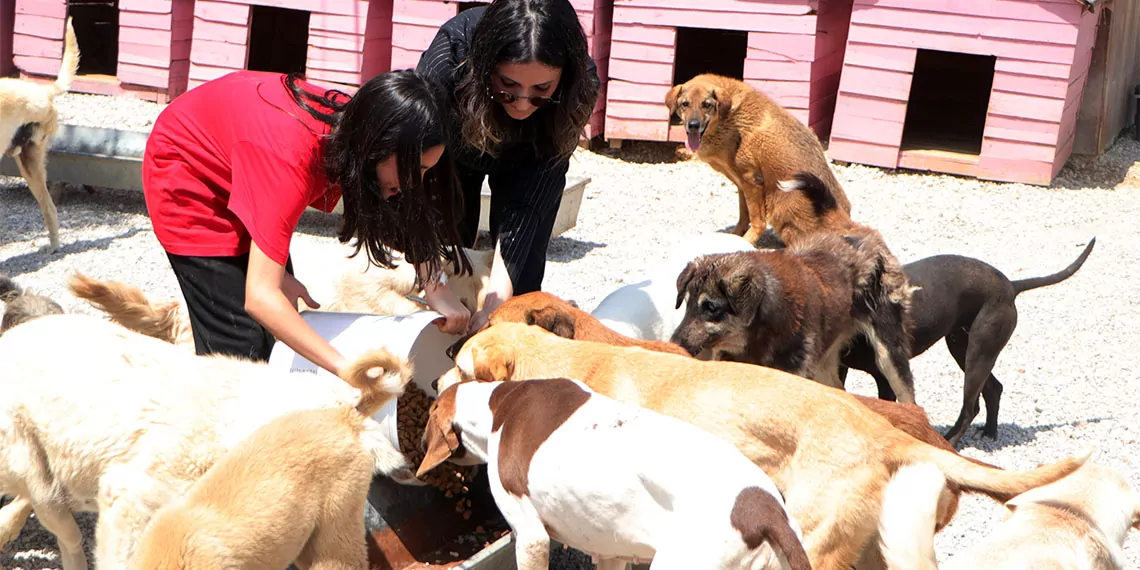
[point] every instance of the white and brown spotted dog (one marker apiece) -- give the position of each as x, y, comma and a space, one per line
619, 482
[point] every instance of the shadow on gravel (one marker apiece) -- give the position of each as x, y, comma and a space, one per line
35, 260
564, 249
1008, 434
644, 152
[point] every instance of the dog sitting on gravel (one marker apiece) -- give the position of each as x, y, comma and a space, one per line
28, 121
22, 305
294, 490
1079, 521
543, 442
127, 422
970, 304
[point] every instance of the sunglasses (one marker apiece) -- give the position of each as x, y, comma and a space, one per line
506, 98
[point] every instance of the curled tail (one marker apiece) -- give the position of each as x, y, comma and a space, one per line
816, 190
1023, 285
69, 66
380, 376
998, 484
910, 512
129, 307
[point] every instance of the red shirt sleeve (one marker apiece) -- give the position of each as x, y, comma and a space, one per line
270, 192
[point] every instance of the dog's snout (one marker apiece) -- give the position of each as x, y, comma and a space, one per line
693, 126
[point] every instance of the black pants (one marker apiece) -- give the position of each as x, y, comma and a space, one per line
525, 197
214, 288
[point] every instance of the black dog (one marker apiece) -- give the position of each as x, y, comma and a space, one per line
970, 304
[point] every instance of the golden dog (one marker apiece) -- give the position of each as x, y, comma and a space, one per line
755, 143
830, 456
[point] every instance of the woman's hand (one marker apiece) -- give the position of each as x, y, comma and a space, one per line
294, 289
499, 289
441, 300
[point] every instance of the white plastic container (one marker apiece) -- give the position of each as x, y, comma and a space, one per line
413, 337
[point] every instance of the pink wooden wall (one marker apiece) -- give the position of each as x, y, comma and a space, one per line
7, 15
795, 53
154, 46
349, 40
415, 23
1033, 103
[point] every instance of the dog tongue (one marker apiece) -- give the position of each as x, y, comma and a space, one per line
693, 142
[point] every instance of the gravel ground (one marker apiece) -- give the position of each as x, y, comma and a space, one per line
1068, 370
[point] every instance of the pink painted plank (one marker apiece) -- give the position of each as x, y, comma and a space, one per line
821, 108
1062, 157
154, 38
214, 11
779, 88
641, 72
37, 65
1040, 69
640, 111
339, 23
221, 32
404, 59
881, 57
219, 54
964, 165
850, 105
1075, 90
790, 102
801, 115
334, 60
777, 46
1063, 13
143, 55
1026, 106
46, 27
341, 77
53, 8
825, 87
143, 75
426, 8
1013, 170
413, 37
1017, 150
144, 20
636, 92
785, 70
654, 35
875, 82
636, 130
694, 18
862, 152
37, 47
967, 24
745, 6
642, 52
180, 50
1048, 53
332, 40
868, 129
1037, 128
208, 72
150, 6
1030, 84
830, 64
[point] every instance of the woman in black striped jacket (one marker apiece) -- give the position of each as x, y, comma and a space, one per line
522, 87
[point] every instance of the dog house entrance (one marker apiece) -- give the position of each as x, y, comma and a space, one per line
278, 39
96, 24
949, 100
701, 50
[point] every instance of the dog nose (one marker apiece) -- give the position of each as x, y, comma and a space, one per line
693, 126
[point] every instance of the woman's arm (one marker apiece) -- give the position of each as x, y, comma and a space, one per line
271, 299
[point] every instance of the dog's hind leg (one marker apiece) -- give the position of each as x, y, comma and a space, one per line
977, 361
59, 520
12, 519
32, 163
128, 498
742, 223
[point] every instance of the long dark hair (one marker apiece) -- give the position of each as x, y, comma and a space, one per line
393, 114
521, 31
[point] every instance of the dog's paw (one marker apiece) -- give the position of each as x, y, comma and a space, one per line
50, 248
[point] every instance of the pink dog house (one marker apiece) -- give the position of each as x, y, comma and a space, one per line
335, 44
792, 50
985, 88
138, 48
415, 23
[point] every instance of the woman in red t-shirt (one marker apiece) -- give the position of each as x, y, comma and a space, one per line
232, 164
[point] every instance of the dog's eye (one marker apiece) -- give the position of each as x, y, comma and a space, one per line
711, 310
708, 104
684, 104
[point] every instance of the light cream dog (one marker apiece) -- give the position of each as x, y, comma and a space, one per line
28, 121
294, 491
830, 455
124, 422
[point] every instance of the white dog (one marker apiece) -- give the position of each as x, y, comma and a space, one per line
619, 482
1078, 522
122, 423
648, 309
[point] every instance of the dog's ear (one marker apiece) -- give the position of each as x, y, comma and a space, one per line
726, 101
493, 363
440, 439
552, 320
683, 281
671, 98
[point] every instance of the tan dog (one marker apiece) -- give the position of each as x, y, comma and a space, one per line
756, 143
788, 309
28, 121
829, 455
294, 490
1078, 522
22, 305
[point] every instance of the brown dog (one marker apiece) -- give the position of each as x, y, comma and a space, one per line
294, 490
788, 309
830, 456
756, 143
22, 305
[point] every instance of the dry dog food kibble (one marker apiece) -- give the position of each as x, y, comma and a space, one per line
411, 418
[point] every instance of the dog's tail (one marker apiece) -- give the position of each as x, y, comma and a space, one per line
380, 376
69, 66
998, 484
909, 517
8, 288
129, 307
816, 190
1022, 285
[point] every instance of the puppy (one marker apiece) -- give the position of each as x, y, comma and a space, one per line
22, 306
645, 309
970, 304
543, 441
788, 309
828, 454
294, 490
1079, 521
755, 143
126, 422
28, 121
